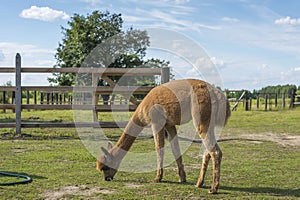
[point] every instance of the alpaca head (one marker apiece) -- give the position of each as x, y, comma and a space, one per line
106, 163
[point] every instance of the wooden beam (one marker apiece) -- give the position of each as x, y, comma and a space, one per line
109, 71
7, 88
65, 125
102, 108
7, 70
7, 106
114, 85
99, 89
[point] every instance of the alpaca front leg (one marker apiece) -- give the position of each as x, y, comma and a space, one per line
205, 160
173, 139
159, 146
216, 156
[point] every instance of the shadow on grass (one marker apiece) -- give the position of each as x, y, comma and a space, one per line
265, 190
25, 136
162, 182
278, 192
16, 178
25, 174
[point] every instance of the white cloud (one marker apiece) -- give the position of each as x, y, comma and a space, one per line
230, 19
92, 2
29, 54
297, 69
263, 66
44, 14
2, 57
32, 56
220, 64
181, 1
287, 21
131, 18
166, 19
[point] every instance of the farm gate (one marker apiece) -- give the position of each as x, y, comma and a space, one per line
66, 97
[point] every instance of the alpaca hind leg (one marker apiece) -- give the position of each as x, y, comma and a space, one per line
214, 152
159, 147
173, 138
205, 160
216, 156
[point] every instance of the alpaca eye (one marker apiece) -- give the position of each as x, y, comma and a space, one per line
105, 168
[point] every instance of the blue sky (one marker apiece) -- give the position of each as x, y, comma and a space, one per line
253, 43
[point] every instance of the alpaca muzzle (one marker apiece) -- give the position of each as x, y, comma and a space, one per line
108, 178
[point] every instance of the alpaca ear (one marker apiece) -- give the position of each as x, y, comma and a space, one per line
104, 151
109, 146
107, 155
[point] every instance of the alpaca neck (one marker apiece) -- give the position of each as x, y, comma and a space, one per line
131, 131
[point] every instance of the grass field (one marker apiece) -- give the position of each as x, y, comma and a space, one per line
261, 161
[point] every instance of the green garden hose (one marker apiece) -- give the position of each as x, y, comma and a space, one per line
27, 178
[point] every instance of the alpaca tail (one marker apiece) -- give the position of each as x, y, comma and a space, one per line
223, 109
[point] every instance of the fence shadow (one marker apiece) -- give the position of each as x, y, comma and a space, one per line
25, 136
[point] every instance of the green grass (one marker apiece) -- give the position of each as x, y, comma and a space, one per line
63, 169
281, 121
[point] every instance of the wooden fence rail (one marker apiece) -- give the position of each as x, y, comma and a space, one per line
265, 101
66, 97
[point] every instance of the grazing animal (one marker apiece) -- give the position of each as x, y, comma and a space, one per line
174, 103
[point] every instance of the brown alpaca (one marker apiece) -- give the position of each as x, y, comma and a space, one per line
164, 107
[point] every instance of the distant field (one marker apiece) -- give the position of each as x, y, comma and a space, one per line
261, 161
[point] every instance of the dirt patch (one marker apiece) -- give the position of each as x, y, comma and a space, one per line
80, 190
134, 186
19, 150
282, 139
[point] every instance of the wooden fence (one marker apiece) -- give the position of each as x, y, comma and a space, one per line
59, 98
264, 101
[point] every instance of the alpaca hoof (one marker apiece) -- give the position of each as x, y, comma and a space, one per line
213, 191
200, 185
182, 180
157, 180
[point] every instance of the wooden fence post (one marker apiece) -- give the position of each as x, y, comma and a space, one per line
293, 93
257, 102
247, 100
34, 97
28, 98
4, 100
266, 102
41, 97
13, 100
283, 100
165, 75
18, 100
95, 96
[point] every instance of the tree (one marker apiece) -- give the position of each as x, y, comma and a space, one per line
279, 89
8, 94
97, 40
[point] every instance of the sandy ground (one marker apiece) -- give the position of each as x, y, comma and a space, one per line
282, 139
81, 190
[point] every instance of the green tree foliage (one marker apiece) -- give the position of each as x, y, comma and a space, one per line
97, 40
279, 89
235, 94
8, 94
82, 36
